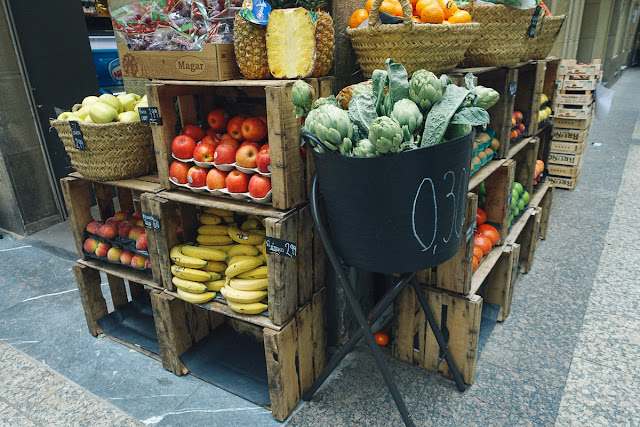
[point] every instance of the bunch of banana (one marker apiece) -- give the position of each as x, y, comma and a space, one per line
246, 284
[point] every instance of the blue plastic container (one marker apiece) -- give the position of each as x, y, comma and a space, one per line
106, 61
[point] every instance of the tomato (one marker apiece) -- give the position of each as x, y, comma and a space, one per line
481, 217
381, 338
475, 263
477, 253
489, 231
483, 243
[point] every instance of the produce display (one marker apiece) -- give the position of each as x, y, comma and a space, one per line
485, 238
296, 40
392, 113
121, 239
225, 259
107, 108
484, 148
519, 201
230, 158
423, 12
517, 127
539, 172
545, 109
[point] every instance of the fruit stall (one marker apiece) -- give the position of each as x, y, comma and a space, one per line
207, 214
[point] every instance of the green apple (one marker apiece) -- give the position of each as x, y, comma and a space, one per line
136, 96
143, 99
139, 105
102, 113
83, 112
90, 100
518, 187
129, 116
521, 205
128, 101
526, 197
76, 118
88, 120
111, 100
516, 212
65, 116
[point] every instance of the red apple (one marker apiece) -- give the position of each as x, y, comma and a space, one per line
521, 128
224, 155
237, 182
122, 215
113, 254
514, 134
124, 228
227, 139
246, 156
259, 186
90, 245
137, 214
125, 257
135, 232
141, 243
195, 132
216, 179
263, 118
138, 223
113, 221
102, 249
182, 147
218, 119
147, 263
108, 231
94, 226
234, 128
215, 134
211, 140
519, 116
204, 152
263, 159
253, 129
138, 261
513, 122
197, 176
178, 171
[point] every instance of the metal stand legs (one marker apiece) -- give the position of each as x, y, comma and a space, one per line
365, 325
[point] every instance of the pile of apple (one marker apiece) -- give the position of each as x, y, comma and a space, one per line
107, 108
517, 127
539, 172
545, 110
519, 201
230, 157
121, 239
485, 238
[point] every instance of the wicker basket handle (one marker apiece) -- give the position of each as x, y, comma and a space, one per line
407, 11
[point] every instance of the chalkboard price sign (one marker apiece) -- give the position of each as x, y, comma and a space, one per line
281, 247
151, 221
513, 88
76, 133
150, 115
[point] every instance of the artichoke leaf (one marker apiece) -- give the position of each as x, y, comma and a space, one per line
474, 116
398, 81
437, 120
362, 111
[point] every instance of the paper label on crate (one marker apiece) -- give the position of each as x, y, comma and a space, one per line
150, 115
256, 11
76, 133
151, 221
281, 247
513, 88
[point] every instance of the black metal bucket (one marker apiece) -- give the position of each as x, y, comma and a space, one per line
396, 213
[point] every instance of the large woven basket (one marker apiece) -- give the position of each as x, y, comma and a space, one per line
539, 46
112, 151
503, 36
434, 47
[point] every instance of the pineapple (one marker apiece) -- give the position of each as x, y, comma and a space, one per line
325, 37
291, 45
250, 47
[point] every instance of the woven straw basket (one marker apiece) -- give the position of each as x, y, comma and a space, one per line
546, 35
501, 41
435, 47
112, 151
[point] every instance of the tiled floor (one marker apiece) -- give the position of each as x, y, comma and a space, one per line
569, 353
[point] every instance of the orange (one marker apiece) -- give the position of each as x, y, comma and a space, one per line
358, 18
483, 243
381, 338
421, 4
413, 3
446, 22
477, 253
460, 17
417, 19
449, 7
398, 11
481, 217
475, 263
432, 13
369, 5
388, 7
489, 231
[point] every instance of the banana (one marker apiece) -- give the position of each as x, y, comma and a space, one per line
237, 258
205, 253
215, 285
256, 273
196, 298
249, 284
218, 212
240, 267
253, 308
185, 261
224, 248
208, 240
189, 285
190, 274
263, 247
239, 249
214, 230
243, 297
210, 219
228, 219
251, 224
265, 258
254, 237
216, 266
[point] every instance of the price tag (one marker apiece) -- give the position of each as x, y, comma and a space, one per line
151, 221
281, 247
76, 133
513, 88
150, 115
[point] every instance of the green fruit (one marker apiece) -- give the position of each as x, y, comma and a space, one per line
89, 100
102, 113
509, 224
482, 189
511, 218
481, 201
525, 197
128, 101
514, 203
515, 194
129, 116
516, 212
83, 112
111, 100
521, 205
518, 187
67, 115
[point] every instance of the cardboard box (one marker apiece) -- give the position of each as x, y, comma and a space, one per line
214, 62
568, 147
563, 98
572, 135
571, 67
565, 159
577, 112
571, 123
561, 182
566, 83
566, 170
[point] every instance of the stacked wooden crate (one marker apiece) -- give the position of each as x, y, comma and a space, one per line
574, 107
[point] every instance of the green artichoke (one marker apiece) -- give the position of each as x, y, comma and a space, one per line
331, 125
457, 130
327, 100
364, 149
302, 96
361, 90
408, 115
386, 135
425, 89
487, 97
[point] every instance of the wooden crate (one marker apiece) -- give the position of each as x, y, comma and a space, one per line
292, 281
572, 83
502, 280
562, 182
546, 74
527, 100
87, 274
573, 159
77, 193
526, 163
528, 239
571, 67
571, 123
573, 99
271, 97
573, 112
295, 352
570, 135
566, 147
543, 198
566, 171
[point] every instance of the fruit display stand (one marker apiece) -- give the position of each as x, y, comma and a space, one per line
271, 97
294, 353
546, 75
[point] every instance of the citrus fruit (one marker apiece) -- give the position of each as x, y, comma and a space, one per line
358, 18
481, 217
489, 231
388, 7
368, 6
432, 13
460, 17
398, 11
475, 263
449, 7
420, 4
483, 243
417, 19
381, 338
477, 253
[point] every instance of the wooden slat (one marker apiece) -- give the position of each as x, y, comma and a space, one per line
526, 164
527, 78
165, 238
198, 319
163, 135
516, 148
120, 271
78, 200
403, 325
93, 302
305, 255
188, 110
118, 291
499, 187
280, 352
104, 199
498, 289
171, 328
319, 335
125, 199
537, 92
484, 172
146, 200
190, 223
144, 183
545, 205
233, 83
244, 328
282, 271
528, 240
514, 279
304, 323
